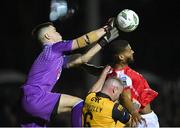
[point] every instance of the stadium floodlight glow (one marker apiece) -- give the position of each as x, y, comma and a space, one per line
58, 9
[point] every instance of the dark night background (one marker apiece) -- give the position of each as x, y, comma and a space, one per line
155, 42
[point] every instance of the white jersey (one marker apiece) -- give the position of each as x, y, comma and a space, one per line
127, 82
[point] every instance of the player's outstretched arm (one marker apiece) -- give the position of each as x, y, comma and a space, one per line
99, 83
84, 58
88, 38
93, 36
111, 35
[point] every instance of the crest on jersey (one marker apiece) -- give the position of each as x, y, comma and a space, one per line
120, 108
124, 79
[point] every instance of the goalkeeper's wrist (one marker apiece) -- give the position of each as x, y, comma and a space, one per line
107, 28
103, 42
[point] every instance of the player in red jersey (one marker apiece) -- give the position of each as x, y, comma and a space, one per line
137, 94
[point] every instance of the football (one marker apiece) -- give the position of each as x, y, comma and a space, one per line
127, 20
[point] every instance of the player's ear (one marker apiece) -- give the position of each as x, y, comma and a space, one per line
115, 89
121, 57
47, 36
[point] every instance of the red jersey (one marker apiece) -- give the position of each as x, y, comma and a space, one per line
141, 93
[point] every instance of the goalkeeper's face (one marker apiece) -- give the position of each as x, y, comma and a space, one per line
49, 34
53, 34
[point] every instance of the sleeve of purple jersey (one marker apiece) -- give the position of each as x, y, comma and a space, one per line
62, 46
66, 60
69, 58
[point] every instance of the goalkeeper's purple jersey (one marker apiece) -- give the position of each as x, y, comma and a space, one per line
47, 68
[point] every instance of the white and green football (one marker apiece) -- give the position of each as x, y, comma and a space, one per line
127, 20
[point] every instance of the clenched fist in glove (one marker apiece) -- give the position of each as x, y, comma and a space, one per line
110, 24
109, 36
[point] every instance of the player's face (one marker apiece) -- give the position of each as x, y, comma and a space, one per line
54, 35
128, 55
117, 91
117, 94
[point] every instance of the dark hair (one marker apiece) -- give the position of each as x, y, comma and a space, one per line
114, 48
117, 46
36, 30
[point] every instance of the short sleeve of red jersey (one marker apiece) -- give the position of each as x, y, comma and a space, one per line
147, 94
